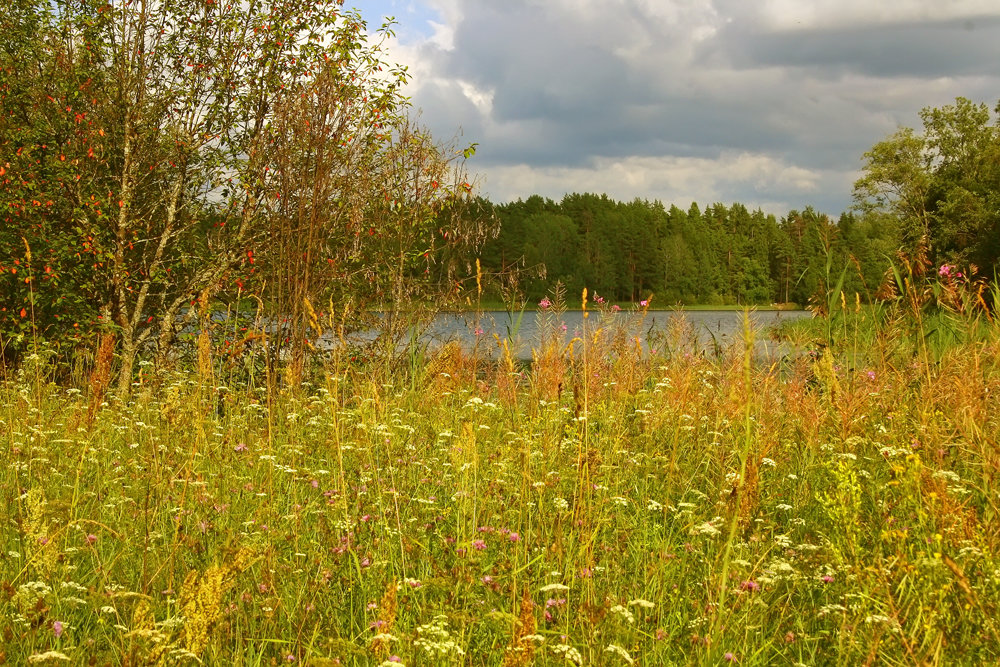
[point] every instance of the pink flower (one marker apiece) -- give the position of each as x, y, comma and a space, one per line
616, 308
57, 628
644, 303
544, 303
478, 545
91, 538
729, 657
826, 579
514, 537
751, 586
945, 270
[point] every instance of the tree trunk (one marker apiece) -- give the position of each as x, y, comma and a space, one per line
128, 352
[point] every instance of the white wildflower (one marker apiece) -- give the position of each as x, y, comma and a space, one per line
614, 648
553, 587
624, 613
568, 653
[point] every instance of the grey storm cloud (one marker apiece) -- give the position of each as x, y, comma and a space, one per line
956, 47
555, 91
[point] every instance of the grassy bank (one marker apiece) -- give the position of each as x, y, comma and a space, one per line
603, 510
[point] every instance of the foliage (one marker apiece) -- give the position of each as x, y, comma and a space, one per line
943, 185
162, 156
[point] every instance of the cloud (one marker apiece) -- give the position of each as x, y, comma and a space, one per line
772, 101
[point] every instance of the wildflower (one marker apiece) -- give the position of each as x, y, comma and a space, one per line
644, 303
624, 613
826, 579
57, 629
945, 270
729, 657
479, 545
569, 653
614, 648
47, 656
553, 587
706, 528
544, 303
749, 585
514, 537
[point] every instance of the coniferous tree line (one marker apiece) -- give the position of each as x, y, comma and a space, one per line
714, 255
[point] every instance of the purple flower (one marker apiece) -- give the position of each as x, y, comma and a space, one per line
57, 628
514, 537
751, 586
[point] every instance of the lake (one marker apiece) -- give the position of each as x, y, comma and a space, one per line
703, 330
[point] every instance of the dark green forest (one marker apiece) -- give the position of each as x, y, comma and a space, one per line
717, 255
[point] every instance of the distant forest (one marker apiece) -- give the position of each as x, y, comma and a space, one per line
719, 255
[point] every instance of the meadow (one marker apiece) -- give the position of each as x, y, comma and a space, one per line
602, 506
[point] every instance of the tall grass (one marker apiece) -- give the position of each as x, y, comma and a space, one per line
606, 505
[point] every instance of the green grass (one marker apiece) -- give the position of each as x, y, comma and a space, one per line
604, 505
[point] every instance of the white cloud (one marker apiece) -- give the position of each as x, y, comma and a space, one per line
680, 180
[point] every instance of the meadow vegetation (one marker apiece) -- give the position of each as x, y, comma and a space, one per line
603, 505
200, 202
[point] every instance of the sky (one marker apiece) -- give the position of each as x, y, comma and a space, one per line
770, 103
